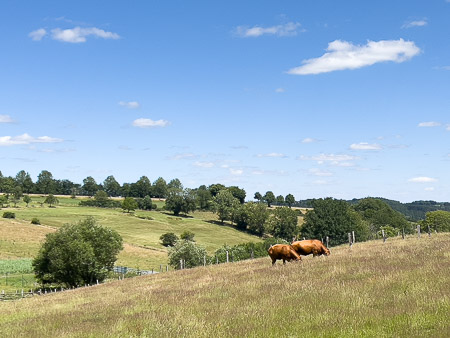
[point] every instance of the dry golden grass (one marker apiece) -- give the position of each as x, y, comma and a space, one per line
396, 289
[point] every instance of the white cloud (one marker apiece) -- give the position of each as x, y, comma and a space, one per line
78, 34
148, 123
447, 127
365, 146
417, 23
429, 189
429, 124
27, 139
203, 164
38, 34
318, 172
320, 182
184, 156
280, 90
422, 179
289, 29
6, 119
236, 172
333, 158
279, 155
309, 140
130, 104
342, 55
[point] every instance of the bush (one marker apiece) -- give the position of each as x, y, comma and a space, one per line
188, 236
168, 239
35, 220
9, 214
192, 254
77, 254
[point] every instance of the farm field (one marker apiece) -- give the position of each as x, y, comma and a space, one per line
140, 231
399, 288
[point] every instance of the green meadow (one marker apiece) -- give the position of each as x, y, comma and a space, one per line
395, 289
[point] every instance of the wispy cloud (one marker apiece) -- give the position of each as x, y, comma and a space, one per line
309, 140
429, 124
6, 119
27, 139
422, 179
204, 164
342, 55
148, 123
279, 155
319, 172
365, 146
38, 34
236, 172
280, 90
288, 29
73, 35
416, 23
330, 158
129, 104
183, 156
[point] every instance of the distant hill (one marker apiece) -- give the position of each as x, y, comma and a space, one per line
413, 211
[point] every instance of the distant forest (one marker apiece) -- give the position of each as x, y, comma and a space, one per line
413, 211
22, 183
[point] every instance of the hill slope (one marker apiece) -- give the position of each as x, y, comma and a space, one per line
399, 288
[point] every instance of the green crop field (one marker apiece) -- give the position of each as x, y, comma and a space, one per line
395, 289
140, 230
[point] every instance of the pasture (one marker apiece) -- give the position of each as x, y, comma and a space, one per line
399, 288
140, 231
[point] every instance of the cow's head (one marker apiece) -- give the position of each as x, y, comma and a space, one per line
326, 251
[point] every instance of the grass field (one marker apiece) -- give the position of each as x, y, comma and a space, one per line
396, 289
140, 231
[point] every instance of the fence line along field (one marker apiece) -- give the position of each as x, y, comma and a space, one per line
140, 230
399, 288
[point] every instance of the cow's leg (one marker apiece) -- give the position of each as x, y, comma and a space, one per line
284, 261
273, 261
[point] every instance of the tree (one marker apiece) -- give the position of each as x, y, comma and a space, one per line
27, 199
289, 199
333, 218
143, 187
269, 198
180, 202
203, 198
64, 187
51, 200
90, 186
224, 204
23, 180
159, 189
77, 254
45, 183
252, 216
168, 239
175, 186
258, 196
437, 220
129, 204
283, 223
187, 236
101, 198
146, 203
238, 193
111, 186
280, 200
215, 188
188, 251
3, 201
17, 195
379, 214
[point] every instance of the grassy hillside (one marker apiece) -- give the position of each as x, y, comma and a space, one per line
400, 288
140, 231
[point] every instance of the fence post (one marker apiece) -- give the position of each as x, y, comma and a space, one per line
204, 260
353, 235
217, 260
350, 239
403, 233
227, 257
429, 231
167, 268
181, 264
252, 254
418, 230
160, 268
328, 241
384, 237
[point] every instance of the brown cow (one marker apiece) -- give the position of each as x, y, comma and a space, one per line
310, 246
284, 252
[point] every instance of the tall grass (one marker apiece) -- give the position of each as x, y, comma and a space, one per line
396, 289
15, 266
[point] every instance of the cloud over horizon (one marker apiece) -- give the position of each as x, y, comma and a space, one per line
149, 123
27, 139
342, 55
288, 29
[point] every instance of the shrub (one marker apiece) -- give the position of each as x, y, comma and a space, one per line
168, 239
188, 236
77, 254
35, 220
192, 254
9, 214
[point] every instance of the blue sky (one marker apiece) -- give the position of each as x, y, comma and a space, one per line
315, 98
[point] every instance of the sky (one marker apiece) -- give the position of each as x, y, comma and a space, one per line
343, 99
